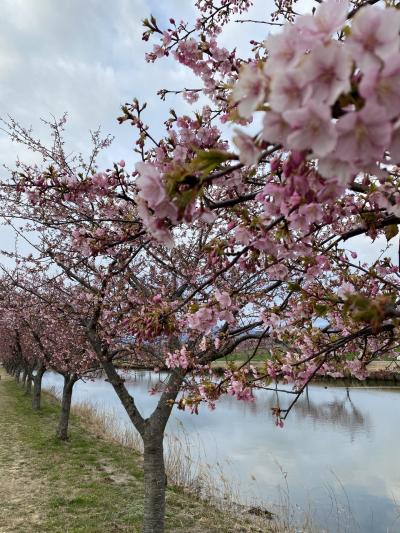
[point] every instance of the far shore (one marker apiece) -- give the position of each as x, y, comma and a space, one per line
379, 371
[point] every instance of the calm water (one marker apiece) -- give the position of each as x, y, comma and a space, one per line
338, 452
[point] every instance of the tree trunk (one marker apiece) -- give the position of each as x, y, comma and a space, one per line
62, 430
37, 387
28, 389
151, 431
154, 484
17, 375
24, 375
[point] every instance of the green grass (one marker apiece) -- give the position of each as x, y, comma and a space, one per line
242, 356
264, 355
85, 485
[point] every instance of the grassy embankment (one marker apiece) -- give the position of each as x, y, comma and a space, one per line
87, 484
379, 370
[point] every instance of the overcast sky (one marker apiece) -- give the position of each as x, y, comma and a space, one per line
86, 58
81, 57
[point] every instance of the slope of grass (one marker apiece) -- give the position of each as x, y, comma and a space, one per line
86, 485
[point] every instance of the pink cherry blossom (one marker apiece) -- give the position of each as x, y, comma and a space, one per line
202, 320
240, 390
250, 91
156, 227
357, 369
223, 299
284, 49
306, 215
226, 316
243, 235
363, 135
275, 128
345, 290
327, 70
180, 153
374, 35
266, 244
383, 86
249, 153
149, 183
205, 215
312, 129
288, 90
203, 344
278, 271
329, 167
330, 16
178, 359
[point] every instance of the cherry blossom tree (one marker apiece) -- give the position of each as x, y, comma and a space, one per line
18, 348
321, 170
209, 243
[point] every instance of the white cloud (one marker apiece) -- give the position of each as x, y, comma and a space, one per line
86, 58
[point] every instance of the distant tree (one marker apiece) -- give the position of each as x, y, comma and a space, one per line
39, 334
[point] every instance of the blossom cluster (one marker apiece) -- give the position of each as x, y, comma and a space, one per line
240, 383
178, 359
205, 318
155, 207
336, 99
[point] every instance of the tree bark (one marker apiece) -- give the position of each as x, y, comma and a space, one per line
155, 480
151, 431
37, 387
24, 375
17, 375
28, 389
62, 429
154, 484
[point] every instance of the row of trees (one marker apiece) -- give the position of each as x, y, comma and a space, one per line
36, 338
200, 249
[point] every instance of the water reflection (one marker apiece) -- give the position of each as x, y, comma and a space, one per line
337, 449
338, 413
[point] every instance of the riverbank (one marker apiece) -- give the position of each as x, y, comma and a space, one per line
379, 371
85, 485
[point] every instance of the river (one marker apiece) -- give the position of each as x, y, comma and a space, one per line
336, 457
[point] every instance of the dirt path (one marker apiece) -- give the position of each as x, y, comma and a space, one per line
21, 490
